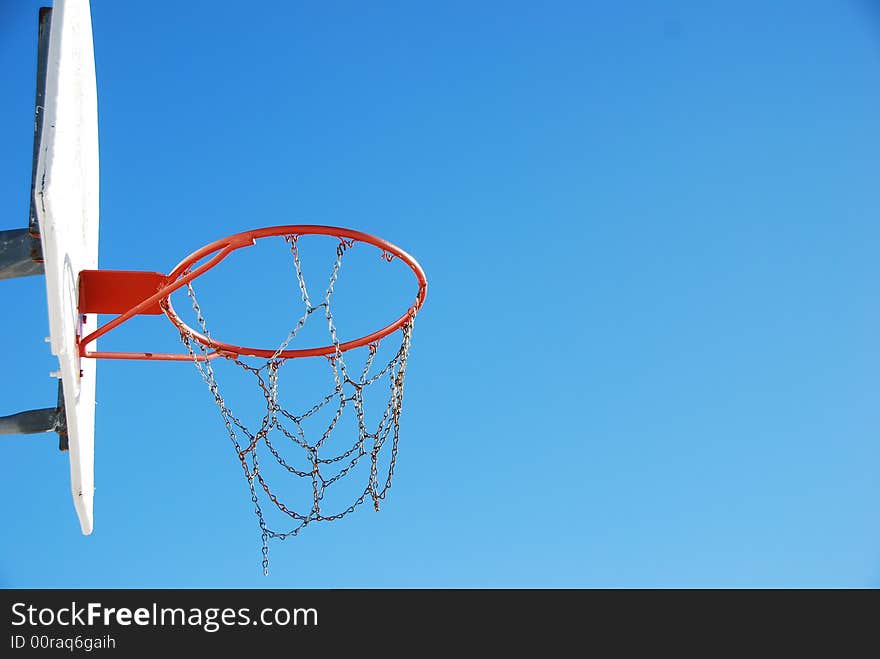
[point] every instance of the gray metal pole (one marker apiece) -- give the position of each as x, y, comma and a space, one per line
30, 422
48, 419
20, 254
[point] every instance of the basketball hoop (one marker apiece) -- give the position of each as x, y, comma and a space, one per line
132, 293
136, 293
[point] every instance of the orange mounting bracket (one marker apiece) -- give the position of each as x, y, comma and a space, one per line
129, 293
117, 291
132, 293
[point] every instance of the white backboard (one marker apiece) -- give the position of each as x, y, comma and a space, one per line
66, 199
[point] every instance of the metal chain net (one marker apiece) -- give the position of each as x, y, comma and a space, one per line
287, 427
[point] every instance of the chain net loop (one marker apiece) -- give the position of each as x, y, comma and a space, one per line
281, 426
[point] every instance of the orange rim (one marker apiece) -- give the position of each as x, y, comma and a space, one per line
184, 273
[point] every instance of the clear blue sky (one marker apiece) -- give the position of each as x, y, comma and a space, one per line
649, 355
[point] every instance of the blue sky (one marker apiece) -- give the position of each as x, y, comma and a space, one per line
649, 352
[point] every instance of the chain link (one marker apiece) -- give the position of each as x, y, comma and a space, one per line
289, 426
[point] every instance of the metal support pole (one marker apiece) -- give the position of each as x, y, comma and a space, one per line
20, 254
31, 422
